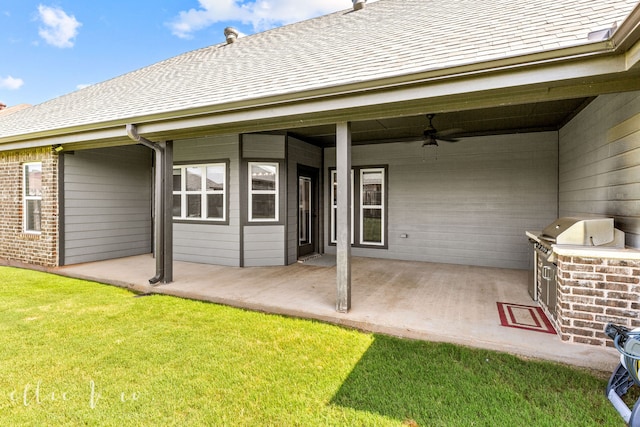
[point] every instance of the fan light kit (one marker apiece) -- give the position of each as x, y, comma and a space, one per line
432, 136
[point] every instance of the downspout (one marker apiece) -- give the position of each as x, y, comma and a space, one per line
132, 132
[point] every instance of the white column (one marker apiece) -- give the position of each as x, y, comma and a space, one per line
343, 217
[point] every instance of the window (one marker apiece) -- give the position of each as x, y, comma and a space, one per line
199, 192
263, 191
32, 188
370, 194
372, 206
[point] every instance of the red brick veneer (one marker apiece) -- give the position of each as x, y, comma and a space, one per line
16, 245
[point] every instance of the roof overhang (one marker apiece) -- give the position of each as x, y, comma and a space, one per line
582, 71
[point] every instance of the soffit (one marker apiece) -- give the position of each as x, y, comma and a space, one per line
533, 117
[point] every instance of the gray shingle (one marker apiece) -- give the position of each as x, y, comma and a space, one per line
387, 38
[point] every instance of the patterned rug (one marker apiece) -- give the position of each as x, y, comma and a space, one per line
527, 317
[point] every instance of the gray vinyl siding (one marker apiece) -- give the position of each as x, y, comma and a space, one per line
107, 204
264, 245
210, 243
206, 244
599, 168
466, 203
299, 153
263, 146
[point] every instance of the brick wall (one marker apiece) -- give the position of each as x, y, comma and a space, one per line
15, 244
593, 292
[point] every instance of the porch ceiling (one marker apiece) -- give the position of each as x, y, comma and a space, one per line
533, 117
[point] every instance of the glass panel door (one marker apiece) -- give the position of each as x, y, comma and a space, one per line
304, 211
308, 204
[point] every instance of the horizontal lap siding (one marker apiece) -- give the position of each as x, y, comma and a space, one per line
600, 166
206, 244
210, 243
263, 146
263, 245
465, 203
107, 204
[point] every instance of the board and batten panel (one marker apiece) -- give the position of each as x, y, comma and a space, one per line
107, 204
299, 153
600, 163
210, 243
263, 245
466, 203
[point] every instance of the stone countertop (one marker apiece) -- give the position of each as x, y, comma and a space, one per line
597, 252
590, 251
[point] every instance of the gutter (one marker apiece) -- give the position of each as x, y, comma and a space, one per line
628, 33
132, 132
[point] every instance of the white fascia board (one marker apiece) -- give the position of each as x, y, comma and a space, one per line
633, 57
544, 77
95, 138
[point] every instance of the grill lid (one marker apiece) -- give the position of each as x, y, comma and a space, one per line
579, 231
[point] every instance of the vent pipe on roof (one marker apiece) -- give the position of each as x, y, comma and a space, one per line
358, 4
231, 34
603, 34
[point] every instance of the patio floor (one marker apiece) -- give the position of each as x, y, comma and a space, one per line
427, 301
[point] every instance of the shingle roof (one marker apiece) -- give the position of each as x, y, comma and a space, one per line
387, 38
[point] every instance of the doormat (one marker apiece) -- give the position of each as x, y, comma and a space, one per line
527, 317
319, 260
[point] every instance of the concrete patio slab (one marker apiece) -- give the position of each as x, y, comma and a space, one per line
426, 301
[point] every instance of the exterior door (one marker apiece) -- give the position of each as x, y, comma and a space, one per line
307, 211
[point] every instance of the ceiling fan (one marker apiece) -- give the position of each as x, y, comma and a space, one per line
432, 135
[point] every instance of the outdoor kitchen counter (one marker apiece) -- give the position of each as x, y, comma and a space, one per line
590, 287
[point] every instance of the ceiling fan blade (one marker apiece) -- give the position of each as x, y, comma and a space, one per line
449, 132
446, 139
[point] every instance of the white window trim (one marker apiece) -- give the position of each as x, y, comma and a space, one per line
276, 192
203, 192
26, 198
381, 207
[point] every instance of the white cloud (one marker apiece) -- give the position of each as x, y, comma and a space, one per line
10, 83
83, 85
261, 14
59, 28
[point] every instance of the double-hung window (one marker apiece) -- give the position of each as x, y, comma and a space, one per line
368, 213
263, 192
32, 197
200, 192
372, 210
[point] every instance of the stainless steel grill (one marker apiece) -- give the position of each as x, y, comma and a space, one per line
577, 231
592, 232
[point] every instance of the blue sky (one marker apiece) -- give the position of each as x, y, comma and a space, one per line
52, 47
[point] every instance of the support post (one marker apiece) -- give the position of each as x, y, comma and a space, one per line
343, 217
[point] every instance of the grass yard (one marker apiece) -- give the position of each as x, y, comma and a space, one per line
81, 353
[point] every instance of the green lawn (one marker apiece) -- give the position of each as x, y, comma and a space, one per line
80, 353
